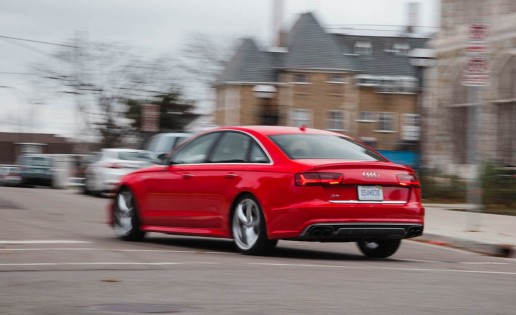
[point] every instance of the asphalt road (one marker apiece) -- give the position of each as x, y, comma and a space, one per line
57, 256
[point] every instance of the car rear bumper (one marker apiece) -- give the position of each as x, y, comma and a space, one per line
324, 221
360, 231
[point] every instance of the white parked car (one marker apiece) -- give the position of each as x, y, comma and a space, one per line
10, 175
109, 165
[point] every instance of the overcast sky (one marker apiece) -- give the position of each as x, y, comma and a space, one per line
155, 27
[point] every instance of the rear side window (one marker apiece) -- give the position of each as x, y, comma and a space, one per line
232, 148
309, 146
257, 155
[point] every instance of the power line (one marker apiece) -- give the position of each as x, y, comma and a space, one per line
16, 73
37, 41
25, 46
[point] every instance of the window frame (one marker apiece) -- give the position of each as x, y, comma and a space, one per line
297, 75
381, 121
292, 119
330, 121
373, 120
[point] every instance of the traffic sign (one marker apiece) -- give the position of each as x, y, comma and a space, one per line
476, 67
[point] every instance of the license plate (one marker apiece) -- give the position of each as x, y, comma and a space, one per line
370, 193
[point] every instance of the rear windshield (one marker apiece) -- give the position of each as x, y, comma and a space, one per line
306, 146
134, 156
164, 143
39, 161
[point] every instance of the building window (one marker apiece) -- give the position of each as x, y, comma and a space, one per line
398, 85
366, 80
336, 78
506, 143
301, 78
386, 122
401, 49
363, 48
301, 117
410, 120
367, 117
410, 129
336, 120
408, 85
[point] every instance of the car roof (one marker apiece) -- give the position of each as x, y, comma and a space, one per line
279, 130
122, 150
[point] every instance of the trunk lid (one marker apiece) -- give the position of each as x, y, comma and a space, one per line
364, 181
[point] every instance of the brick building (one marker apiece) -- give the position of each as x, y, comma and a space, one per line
363, 86
448, 102
13, 144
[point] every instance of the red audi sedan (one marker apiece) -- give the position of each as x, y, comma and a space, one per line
260, 184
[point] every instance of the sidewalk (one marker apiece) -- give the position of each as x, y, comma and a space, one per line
453, 225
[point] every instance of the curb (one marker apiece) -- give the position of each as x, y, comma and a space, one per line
486, 248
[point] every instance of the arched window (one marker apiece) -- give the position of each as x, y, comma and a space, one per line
506, 113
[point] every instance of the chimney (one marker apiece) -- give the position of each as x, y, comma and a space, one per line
413, 12
277, 21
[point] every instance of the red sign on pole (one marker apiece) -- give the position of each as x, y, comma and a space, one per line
150, 118
478, 32
476, 67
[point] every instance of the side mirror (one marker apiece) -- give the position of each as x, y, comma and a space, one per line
162, 159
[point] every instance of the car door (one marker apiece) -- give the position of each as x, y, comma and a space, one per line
214, 184
170, 194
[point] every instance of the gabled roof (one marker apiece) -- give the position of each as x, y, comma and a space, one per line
383, 60
310, 47
249, 64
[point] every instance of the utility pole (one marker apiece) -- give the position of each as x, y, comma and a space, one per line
475, 76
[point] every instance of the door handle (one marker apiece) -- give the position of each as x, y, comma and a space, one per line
230, 175
187, 175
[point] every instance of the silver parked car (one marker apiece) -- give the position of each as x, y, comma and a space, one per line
109, 165
161, 144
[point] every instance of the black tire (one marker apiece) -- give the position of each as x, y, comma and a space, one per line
248, 227
126, 223
85, 189
379, 249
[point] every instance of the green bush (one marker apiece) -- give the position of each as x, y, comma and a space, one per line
498, 185
442, 187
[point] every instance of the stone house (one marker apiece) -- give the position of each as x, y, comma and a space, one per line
363, 86
450, 124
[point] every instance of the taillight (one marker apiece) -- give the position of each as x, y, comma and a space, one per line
113, 165
318, 179
409, 180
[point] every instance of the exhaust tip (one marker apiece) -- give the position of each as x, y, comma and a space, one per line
414, 231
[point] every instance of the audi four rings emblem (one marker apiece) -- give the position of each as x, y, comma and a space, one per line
370, 174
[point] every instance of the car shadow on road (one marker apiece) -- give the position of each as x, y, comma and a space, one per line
284, 249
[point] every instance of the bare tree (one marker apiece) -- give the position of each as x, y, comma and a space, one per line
204, 57
102, 78
202, 60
